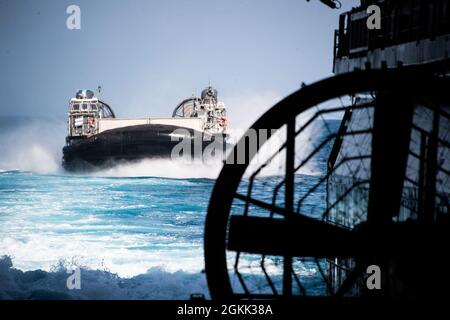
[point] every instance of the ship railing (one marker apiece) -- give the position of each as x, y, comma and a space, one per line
401, 21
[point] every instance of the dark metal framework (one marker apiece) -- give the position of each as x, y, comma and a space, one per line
412, 33
386, 186
401, 21
186, 108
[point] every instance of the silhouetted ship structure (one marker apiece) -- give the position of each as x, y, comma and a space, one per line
96, 138
383, 199
412, 33
409, 176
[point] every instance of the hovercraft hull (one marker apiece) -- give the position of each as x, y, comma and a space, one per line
126, 144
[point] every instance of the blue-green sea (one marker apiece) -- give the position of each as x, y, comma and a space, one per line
136, 231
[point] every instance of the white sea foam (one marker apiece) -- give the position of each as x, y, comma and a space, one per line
154, 283
125, 254
164, 168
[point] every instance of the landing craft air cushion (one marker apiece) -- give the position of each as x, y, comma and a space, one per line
97, 139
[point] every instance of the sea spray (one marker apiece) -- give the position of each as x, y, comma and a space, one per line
155, 283
31, 144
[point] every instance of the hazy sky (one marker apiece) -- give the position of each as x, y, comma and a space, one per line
149, 55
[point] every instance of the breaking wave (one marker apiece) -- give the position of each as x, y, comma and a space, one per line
156, 283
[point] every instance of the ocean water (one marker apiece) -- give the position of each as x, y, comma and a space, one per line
136, 230
124, 226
